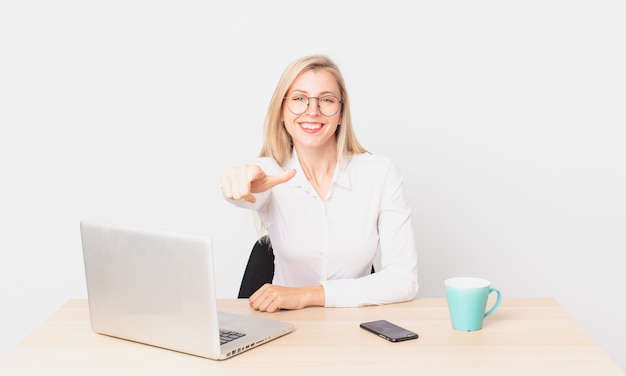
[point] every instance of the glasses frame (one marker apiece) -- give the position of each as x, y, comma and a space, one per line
308, 102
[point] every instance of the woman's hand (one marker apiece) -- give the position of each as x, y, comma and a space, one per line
272, 298
241, 182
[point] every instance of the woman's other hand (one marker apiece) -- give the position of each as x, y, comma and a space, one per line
272, 298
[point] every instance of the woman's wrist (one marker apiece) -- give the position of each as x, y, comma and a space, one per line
315, 296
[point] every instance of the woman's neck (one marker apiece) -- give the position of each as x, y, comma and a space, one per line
319, 168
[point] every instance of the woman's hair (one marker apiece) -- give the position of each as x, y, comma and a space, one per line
278, 143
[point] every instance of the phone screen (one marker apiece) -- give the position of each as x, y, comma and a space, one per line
389, 331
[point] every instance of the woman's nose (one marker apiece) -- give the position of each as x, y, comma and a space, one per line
314, 106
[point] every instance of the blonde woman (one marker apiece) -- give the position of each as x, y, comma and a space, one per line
327, 204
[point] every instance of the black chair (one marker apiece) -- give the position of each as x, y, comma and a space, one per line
260, 268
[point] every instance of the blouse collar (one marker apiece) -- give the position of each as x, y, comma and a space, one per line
341, 177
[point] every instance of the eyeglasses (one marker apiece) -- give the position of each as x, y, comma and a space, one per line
328, 104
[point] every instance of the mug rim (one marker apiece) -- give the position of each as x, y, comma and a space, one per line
467, 282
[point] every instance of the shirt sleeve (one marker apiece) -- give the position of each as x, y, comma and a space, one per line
397, 279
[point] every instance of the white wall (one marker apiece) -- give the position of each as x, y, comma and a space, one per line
507, 119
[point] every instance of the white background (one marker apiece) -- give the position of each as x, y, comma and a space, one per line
506, 118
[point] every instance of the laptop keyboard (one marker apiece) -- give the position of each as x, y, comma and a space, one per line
228, 335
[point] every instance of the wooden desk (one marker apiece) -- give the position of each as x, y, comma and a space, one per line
524, 337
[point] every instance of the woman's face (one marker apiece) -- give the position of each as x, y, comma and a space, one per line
313, 126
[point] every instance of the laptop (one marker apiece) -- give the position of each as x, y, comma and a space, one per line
158, 288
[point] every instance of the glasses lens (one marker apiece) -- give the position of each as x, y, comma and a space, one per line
328, 104
297, 104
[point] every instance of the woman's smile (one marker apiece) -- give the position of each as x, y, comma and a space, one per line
311, 127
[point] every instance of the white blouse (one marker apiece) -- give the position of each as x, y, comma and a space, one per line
333, 241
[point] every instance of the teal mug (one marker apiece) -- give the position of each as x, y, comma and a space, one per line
467, 302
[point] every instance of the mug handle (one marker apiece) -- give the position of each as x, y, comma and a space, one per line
497, 304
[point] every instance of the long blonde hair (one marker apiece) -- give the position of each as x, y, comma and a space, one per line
278, 143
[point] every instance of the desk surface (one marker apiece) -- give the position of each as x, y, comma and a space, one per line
523, 337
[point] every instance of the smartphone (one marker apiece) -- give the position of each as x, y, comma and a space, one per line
389, 331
